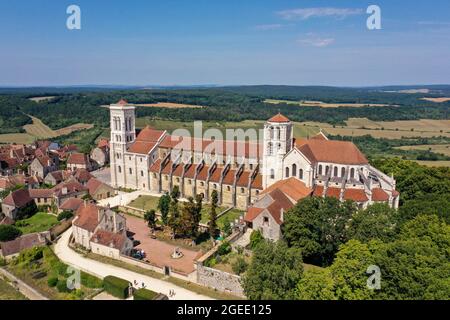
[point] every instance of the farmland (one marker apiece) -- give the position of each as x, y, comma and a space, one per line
440, 148
309, 103
437, 100
38, 130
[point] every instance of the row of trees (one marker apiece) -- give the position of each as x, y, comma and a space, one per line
184, 218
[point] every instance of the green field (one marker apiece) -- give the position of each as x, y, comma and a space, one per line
145, 203
38, 223
7, 292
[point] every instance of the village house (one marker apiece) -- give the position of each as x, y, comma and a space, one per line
56, 177
18, 204
57, 195
101, 230
71, 204
43, 164
11, 249
99, 190
79, 161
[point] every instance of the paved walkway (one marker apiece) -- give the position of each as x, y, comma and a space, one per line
124, 198
24, 289
102, 270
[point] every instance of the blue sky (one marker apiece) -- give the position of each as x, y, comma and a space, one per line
183, 42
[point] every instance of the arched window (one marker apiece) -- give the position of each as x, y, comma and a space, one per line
120, 169
300, 175
228, 188
287, 172
327, 169
352, 173
294, 170
278, 133
272, 174
320, 169
271, 133
343, 172
335, 171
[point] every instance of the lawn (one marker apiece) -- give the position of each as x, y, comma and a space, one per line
39, 222
7, 292
145, 203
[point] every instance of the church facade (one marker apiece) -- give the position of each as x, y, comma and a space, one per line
156, 161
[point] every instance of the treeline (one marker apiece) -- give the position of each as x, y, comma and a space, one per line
225, 104
376, 253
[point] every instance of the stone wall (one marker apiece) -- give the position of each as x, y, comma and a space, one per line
219, 280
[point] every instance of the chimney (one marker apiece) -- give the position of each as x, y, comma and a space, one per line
64, 190
282, 215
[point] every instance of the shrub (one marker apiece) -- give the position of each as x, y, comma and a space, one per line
90, 281
224, 248
239, 266
255, 239
65, 215
116, 286
61, 286
52, 282
9, 233
144, 294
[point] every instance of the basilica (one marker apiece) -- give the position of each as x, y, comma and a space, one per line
252, 176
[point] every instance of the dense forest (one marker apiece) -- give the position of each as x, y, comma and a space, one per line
225, 104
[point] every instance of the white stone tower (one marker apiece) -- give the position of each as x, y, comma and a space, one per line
123, 134
278, 140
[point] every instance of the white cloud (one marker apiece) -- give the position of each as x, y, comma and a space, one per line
306, 13
267, 27
316, 42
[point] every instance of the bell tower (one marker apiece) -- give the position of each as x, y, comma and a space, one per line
278, 140
123, 134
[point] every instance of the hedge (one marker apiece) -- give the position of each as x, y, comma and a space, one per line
116, 286
144, 294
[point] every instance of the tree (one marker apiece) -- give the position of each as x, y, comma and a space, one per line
163, 207
318, 226
9, 233
150, 218
255, 239
316, 284
274, 272
213, 232
375, 222
174, 211
239, 266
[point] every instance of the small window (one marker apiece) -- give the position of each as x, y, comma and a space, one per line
154, 175
142, 173
242, 190
140, 159
120, 169
228, 188
178, 179
287, 172
300, 175
130, 170
189, 181
272, 174
215, 186
202, 184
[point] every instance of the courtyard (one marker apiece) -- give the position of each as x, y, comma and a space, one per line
159, 252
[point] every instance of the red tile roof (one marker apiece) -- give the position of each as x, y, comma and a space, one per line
93, 185
292, 187
41, 193
190, 172
279, 118
357, 195
243, 179
24, 242
318, 191
122, 102
109, 239
257, 182
334, 192
18, 198
146, 140
71, 204
229, 177
155, 166
379, 195
78, 159
340, 152
87, 217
